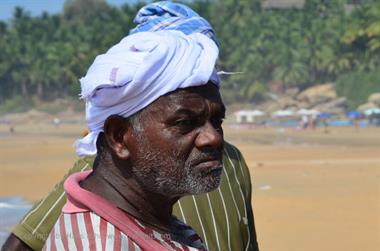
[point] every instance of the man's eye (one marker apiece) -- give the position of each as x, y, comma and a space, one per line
186, 122
217, 122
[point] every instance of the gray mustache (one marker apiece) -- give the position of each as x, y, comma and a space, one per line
205, 155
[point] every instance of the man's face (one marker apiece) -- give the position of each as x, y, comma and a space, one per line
178, 148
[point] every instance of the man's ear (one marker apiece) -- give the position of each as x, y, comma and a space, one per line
115, 129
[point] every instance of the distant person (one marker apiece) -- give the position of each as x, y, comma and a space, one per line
149, 148
325, 125
313, 121
304, 122
355, 123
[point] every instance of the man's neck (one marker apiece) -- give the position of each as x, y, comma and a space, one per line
154, 210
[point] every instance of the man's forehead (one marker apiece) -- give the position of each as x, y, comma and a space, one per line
208, 92
192, 98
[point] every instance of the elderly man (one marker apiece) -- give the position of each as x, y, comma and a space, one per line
165, 143
144, 165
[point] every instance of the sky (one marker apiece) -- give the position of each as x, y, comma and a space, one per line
36, 7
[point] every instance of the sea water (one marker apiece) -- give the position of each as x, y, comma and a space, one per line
12, 209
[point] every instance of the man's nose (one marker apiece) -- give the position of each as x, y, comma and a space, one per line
209, 136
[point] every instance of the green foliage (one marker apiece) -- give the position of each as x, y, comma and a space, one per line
357, 86
15, 104
51, 107
44, 56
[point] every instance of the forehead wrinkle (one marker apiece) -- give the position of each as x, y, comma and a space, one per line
183, 102
203, 108
195, 99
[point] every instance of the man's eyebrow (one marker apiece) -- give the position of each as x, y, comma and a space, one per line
186, 111
221, 111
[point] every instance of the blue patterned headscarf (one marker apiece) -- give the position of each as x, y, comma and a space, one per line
167, 15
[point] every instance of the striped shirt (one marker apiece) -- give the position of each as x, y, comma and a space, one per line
106, 227
223, 218
89, 231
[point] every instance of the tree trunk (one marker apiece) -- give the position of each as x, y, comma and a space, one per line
40, 90
24, 90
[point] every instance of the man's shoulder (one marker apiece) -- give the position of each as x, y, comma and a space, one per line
83, 163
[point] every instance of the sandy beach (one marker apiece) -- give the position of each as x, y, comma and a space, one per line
311, 191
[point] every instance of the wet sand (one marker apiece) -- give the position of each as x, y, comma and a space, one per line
312, 191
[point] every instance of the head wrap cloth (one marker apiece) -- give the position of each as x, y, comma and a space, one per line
172, 16
144, 66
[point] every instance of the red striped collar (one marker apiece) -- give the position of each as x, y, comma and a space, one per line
81, 200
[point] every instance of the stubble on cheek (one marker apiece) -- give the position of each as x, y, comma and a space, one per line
156, 170
172, 173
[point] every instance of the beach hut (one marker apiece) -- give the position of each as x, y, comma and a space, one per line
248, 116
372, 111
283, 113
307, 112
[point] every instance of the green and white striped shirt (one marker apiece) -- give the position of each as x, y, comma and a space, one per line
223, 218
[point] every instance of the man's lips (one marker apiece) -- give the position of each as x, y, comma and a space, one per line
208, 167
205, 158
216, 171
209, 164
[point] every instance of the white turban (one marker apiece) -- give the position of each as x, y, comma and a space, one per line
140, 69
